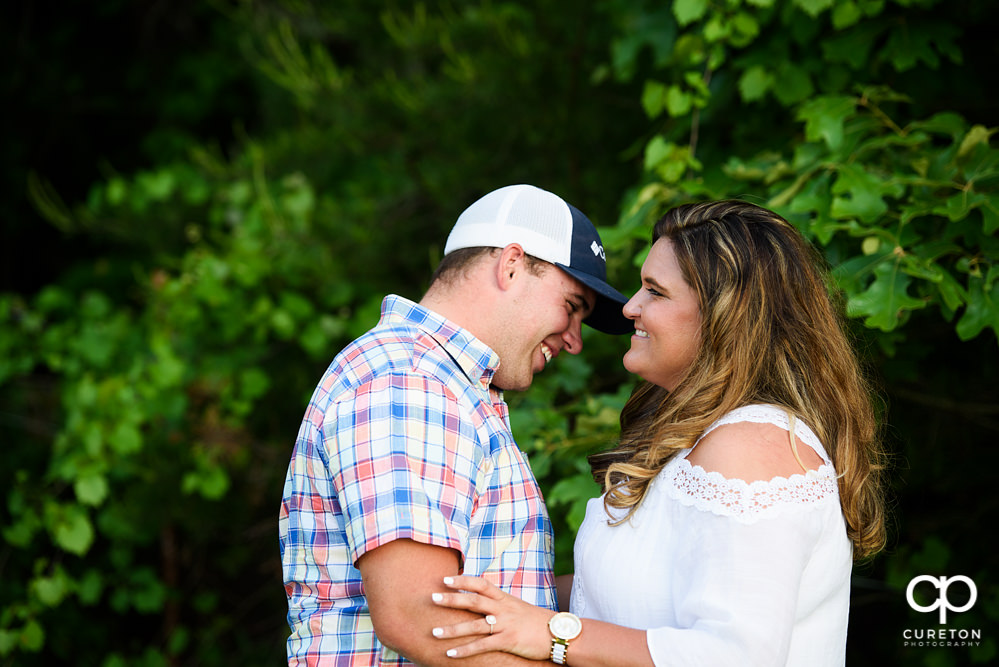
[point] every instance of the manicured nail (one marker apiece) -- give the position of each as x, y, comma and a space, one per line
438, 632
451, 653
448, 581
436, 597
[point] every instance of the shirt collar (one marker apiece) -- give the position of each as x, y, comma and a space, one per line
476, 359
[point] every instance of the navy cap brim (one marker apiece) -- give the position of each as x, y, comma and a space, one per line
607, 315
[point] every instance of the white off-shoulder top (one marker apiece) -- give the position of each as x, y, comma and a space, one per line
724, 572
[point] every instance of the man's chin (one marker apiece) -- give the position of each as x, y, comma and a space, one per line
508, 384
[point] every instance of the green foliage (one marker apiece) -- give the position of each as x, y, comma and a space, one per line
151, 391
907, 210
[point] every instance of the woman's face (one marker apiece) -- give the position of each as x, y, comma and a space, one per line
667, 320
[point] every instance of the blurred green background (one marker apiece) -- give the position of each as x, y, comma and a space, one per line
203, 201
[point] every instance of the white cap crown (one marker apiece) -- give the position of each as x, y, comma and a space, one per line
539, 221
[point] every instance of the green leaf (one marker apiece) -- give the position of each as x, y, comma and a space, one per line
982, 310
51, 590
863, 198
653, 98
958, 206
853, 273
89, 587
167, 369
824, 119
32, 636
697, 83
299, 199
688, 11
575, 491
209, 480
156, 185
92, 439
253, 383
148, 593
754, 83
91, 489
95, 344
746, 27
885, 302
319, 333
977, 135
905, 48
678, 101
717, 28
845, 14
71, 529
951, 291
126, 438
655, 29
8, 640
657, 151
947, 122
851, 48
283, 324
814, 7
117, 191
795, 85
23, 529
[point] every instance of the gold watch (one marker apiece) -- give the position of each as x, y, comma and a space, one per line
563, 626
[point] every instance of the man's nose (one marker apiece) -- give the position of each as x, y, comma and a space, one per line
573, 337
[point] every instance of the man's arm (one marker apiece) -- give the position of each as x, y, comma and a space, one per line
399, 578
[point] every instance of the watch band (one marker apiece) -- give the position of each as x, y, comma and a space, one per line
560, 651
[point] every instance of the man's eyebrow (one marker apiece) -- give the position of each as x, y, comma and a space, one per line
581, 297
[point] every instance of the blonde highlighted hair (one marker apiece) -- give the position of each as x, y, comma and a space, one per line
770, 333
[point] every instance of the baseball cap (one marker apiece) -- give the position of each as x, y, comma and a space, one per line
551, 229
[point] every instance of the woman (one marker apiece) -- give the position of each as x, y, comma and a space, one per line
746, 480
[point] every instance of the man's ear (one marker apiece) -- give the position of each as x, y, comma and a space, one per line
510, 265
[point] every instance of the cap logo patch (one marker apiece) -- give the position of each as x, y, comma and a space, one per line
598, 250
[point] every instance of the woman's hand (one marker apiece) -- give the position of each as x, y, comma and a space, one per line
508, 623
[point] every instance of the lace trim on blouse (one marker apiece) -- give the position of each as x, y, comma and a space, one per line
744, 501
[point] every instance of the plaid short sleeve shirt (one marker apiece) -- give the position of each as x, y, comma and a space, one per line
403, 438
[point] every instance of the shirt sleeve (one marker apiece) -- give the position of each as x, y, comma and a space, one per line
403, 463
736, 598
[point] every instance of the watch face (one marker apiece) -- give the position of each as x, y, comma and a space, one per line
565, 625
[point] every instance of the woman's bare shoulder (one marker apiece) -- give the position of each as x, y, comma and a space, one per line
752, 452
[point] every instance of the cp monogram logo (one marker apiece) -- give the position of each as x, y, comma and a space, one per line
942, 603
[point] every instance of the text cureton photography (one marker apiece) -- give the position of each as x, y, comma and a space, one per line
926, 594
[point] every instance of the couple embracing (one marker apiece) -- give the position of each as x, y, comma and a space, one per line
745, 482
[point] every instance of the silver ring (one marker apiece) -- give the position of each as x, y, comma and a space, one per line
491, 620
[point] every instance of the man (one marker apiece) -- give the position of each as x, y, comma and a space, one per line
405, 470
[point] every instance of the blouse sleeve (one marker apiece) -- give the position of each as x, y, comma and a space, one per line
735, 589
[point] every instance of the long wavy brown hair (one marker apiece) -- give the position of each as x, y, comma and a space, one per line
771, 333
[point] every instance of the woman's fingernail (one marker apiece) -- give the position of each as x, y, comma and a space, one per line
448, 581
451, 653
438, 632
436, 597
